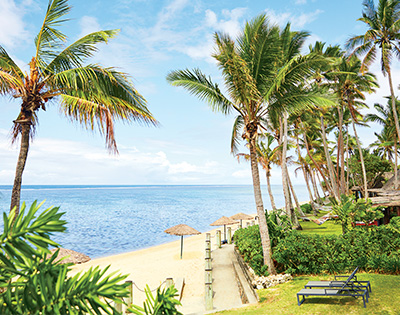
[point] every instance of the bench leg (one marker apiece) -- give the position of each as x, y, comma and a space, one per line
298, 300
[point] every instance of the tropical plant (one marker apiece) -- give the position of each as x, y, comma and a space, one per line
256, 87
164, 303
91, 95
34, 282
383, 34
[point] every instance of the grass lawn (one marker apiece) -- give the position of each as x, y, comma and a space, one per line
281, 299
327, 228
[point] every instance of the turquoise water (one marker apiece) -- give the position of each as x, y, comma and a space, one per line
106, 220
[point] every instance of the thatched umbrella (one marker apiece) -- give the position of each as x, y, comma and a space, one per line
241, 216
182, 229
223, 221
74, 257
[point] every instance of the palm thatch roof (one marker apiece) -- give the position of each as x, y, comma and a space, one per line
223, 221
74, 257
241, 216
182, 229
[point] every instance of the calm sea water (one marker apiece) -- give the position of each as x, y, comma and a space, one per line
106, 220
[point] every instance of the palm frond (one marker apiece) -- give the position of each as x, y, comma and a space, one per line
201, 86
235, 139
75, 54
49, 37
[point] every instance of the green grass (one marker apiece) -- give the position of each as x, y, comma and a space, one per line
281, 299
327, 228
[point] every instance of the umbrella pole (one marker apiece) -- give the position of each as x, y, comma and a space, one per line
241, 223
181, 245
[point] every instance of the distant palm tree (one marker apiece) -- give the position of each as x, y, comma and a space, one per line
350, 86
387, 139
383, 34
92, 95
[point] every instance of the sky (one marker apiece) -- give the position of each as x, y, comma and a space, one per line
192, 144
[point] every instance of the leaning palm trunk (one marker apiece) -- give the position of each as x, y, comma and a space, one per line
341, 152
271, 195
347, 161
329, 161
394, 109
362, 159
23, 155
396, 181
296, 201
264, 233
283, 167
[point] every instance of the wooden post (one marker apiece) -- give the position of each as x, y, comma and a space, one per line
208, 254
129, 299
229, 235
208, 264
218, 236
209, 297
208, 237
169, 282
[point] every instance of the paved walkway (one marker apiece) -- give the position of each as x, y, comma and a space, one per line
225, 287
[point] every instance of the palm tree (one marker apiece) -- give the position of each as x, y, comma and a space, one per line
383, 34
247, 67
387, 138
92, 95
256, 87
350, 87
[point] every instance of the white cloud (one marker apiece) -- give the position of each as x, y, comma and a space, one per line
54, 161
297, 21
88, 25
300, 2
12, 24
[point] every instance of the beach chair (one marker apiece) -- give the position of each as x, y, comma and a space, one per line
338, 283
345, 290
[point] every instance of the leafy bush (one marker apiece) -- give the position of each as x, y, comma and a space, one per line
306, 208
163, 303
377, 249
31, 283
248, 241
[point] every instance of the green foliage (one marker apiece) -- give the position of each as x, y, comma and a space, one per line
375, 166
33, 283
306, 208
376, 249
163, 303
350, 211
248, 241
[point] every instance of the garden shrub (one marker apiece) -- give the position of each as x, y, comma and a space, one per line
376, 249
306, 208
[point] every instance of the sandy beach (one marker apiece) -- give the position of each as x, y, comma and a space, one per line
153, 265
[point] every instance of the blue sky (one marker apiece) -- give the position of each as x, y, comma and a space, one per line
192, 145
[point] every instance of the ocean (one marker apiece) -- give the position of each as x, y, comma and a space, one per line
107, 220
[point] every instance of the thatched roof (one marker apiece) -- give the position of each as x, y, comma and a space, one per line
74, 257
241, 216
223, 221
182, 229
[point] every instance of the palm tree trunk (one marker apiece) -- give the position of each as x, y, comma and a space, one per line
347, 162
265, 240
316, 164
341, 155
329, 160
23, 154
396, 181
305, 175
394, 109
361, 158
283, 167
271, 196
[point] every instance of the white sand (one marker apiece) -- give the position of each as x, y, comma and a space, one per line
153, 265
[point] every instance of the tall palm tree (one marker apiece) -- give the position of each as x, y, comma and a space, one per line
383, 34
247, 67
350, 87
255, 87
90, 94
